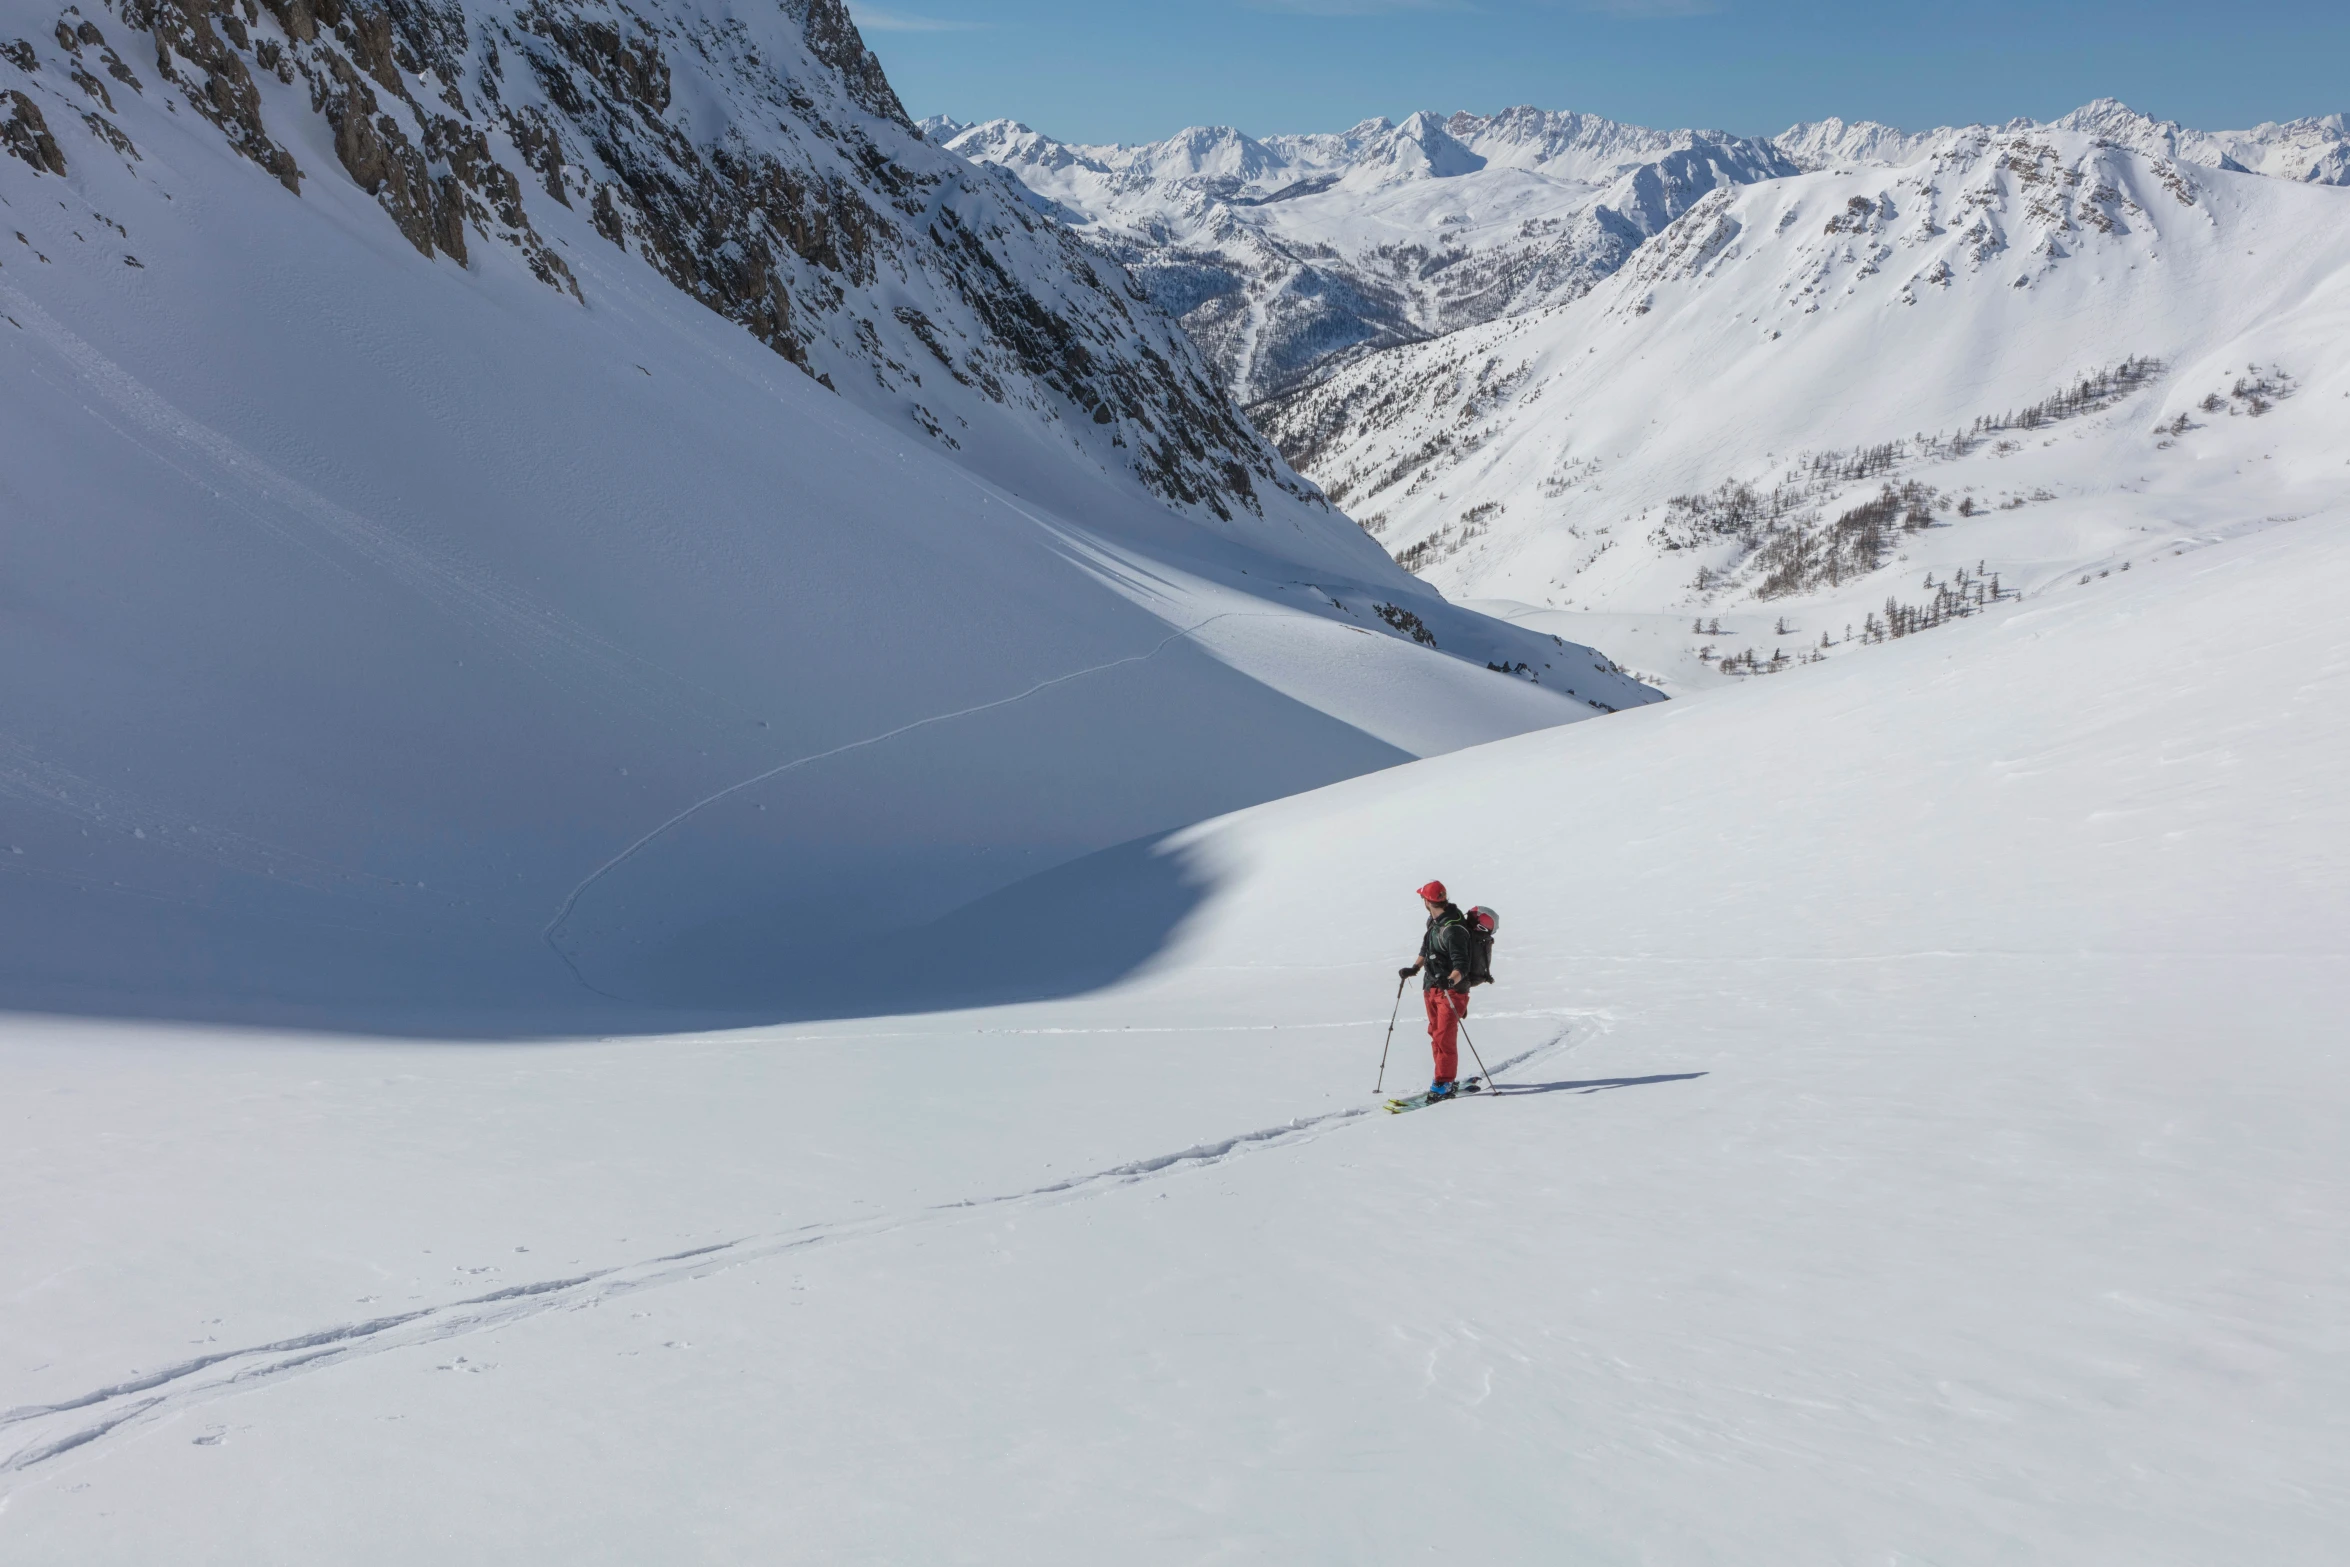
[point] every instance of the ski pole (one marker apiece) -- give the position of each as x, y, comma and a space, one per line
1461, 1021
1393, 1014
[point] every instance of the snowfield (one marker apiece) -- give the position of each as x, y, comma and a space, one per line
1923, 1146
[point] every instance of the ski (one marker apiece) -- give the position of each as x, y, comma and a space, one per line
1422, 1100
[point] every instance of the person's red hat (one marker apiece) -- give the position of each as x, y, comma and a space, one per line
1433, 892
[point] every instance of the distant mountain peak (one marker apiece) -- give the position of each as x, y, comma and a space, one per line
2315, 150
1285, 254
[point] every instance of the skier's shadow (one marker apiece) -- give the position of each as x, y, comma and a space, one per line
1589, 1085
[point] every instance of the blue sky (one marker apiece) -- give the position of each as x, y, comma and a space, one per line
1116, 70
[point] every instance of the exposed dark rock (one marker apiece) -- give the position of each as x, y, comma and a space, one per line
795, 198
94, 87
481, 189
833, 39
73, 35
380, 159
369, 36
296, 17
111, 134
226, 95
539, 142
25, 134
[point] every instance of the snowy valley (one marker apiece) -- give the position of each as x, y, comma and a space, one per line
511, 589
699, 849
1823, 410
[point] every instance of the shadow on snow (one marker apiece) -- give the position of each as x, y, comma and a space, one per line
1591, 1085
1076, 928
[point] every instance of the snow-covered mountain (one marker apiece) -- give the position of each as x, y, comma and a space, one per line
1286, 254
1818, 144
2315, 150
1831, 407
531, 509
760, 164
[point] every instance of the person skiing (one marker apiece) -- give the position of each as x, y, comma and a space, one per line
1444, 966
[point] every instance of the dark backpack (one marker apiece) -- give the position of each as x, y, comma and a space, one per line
1480, 923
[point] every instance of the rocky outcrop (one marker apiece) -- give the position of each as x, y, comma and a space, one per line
377, 154
756, 158
26, 134
834, 41
722, 223
190, 52
74, 33
819, 198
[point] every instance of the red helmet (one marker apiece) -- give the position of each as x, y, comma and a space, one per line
1433, 892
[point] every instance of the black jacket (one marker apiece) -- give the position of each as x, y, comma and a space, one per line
1443, 949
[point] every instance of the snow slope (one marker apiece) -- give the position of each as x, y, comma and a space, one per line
1924, 1146
390, 632
1827, 407
1286, 255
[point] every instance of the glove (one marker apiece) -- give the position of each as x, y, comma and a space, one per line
1407, 973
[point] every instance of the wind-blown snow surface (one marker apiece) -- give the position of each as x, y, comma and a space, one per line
2027, 356
388, 639
1925, 1147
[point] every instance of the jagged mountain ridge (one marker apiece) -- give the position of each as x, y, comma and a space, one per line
1288, 255
1285, 255
2022, 354
2315, 149
758, 161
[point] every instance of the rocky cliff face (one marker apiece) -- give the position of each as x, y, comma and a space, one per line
758, 160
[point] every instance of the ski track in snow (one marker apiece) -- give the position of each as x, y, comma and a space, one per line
76, 1424
554, 926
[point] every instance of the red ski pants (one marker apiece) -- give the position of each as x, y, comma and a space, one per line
1445, 1009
